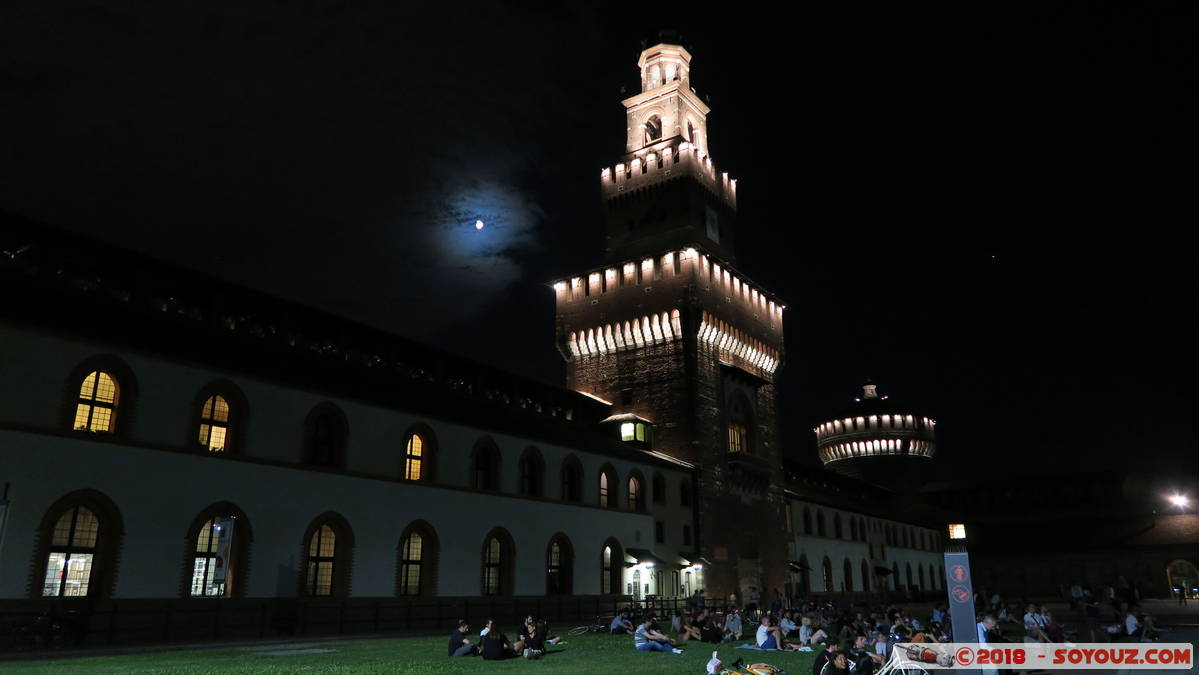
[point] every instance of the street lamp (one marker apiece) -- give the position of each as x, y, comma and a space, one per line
959, 585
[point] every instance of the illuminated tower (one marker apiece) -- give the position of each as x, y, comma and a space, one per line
877, 440
669, 331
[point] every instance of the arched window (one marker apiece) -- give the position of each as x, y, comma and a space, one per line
417, 565
532, 473
96, 407
740, 425
327, 546
807, 520
559, 566
608, 497
325, 435
653, 129
837, 530
78, 537
485, 466
414, 458
497, 563
865, 576
214, 424
659, 489
827, 569
611, 568
636, 496
684, 494
820, 523
217, 542
847, 572
572, 480
690, 131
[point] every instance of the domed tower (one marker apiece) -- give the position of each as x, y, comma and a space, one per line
877, 440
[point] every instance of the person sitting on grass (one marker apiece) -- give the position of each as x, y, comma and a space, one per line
460, 644
532, 641
689, 630
770, 637
647, 639
495, 645
733, 626
787, 624
830, 650
621, 624
711, 630
544, 629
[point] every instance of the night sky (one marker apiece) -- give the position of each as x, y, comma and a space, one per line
983, 208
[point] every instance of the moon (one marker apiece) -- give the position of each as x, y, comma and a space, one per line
478, 224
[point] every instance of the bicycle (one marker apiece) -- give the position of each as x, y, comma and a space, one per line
597, 627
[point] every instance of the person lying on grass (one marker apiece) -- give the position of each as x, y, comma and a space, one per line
647, 639
770, 637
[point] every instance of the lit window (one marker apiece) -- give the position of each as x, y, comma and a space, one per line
640, 435
635, 494
214, 424
72, 550
737, 438
603, 490
96, 408
206, 564
626, 431
414, 457
606, 571
321, 559
411, 562
492, 567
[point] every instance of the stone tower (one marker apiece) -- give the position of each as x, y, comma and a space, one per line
670, 331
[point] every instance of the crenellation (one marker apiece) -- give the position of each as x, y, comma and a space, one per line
680, 158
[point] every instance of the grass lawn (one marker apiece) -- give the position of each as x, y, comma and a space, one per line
590, 653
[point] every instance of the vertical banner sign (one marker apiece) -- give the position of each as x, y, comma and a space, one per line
224, 545
961, 597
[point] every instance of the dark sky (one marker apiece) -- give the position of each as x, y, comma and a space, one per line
983, 207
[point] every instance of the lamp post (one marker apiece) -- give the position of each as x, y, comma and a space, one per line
959, 585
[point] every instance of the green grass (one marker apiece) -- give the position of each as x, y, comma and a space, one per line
427, 656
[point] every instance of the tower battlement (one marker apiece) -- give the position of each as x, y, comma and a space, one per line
660, 164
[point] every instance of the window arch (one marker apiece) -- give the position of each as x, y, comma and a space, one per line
559, 566
653, 129
420, 453
847, 573
659, 490
416, 568
327, 546
690, 131
77, 542
497, 563
485, 466
820, 523
572, 480
326, 433
532, 473
608, 492
636, 488
220, 414
611, 568
740, 425
206, 561
827, 569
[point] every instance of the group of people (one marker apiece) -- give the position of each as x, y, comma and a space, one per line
532, 637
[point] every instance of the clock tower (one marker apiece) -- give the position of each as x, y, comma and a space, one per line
671, 333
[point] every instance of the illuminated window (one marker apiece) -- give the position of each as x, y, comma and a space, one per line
559, 561
739, 424
611, 558
737, 438
411, 563
321, 560
72, 551
96, 409
626, 431
214, 424
603, 490
206, 564
635, 498
493, 567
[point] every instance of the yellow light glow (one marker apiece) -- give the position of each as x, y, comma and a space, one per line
560, 286
1181, 501
627, 431
957, 531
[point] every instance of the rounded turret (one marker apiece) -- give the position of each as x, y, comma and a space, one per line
875, 438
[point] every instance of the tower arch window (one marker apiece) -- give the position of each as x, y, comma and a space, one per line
636, 494
328, 542
417, 568
559, 566
325, 436
608, 497
77, 542
532, 473
96, 407
485, 466
497, 563
653, 129
740, 423
572, 480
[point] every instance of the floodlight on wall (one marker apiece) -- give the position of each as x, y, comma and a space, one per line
957, 531
1181, 501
